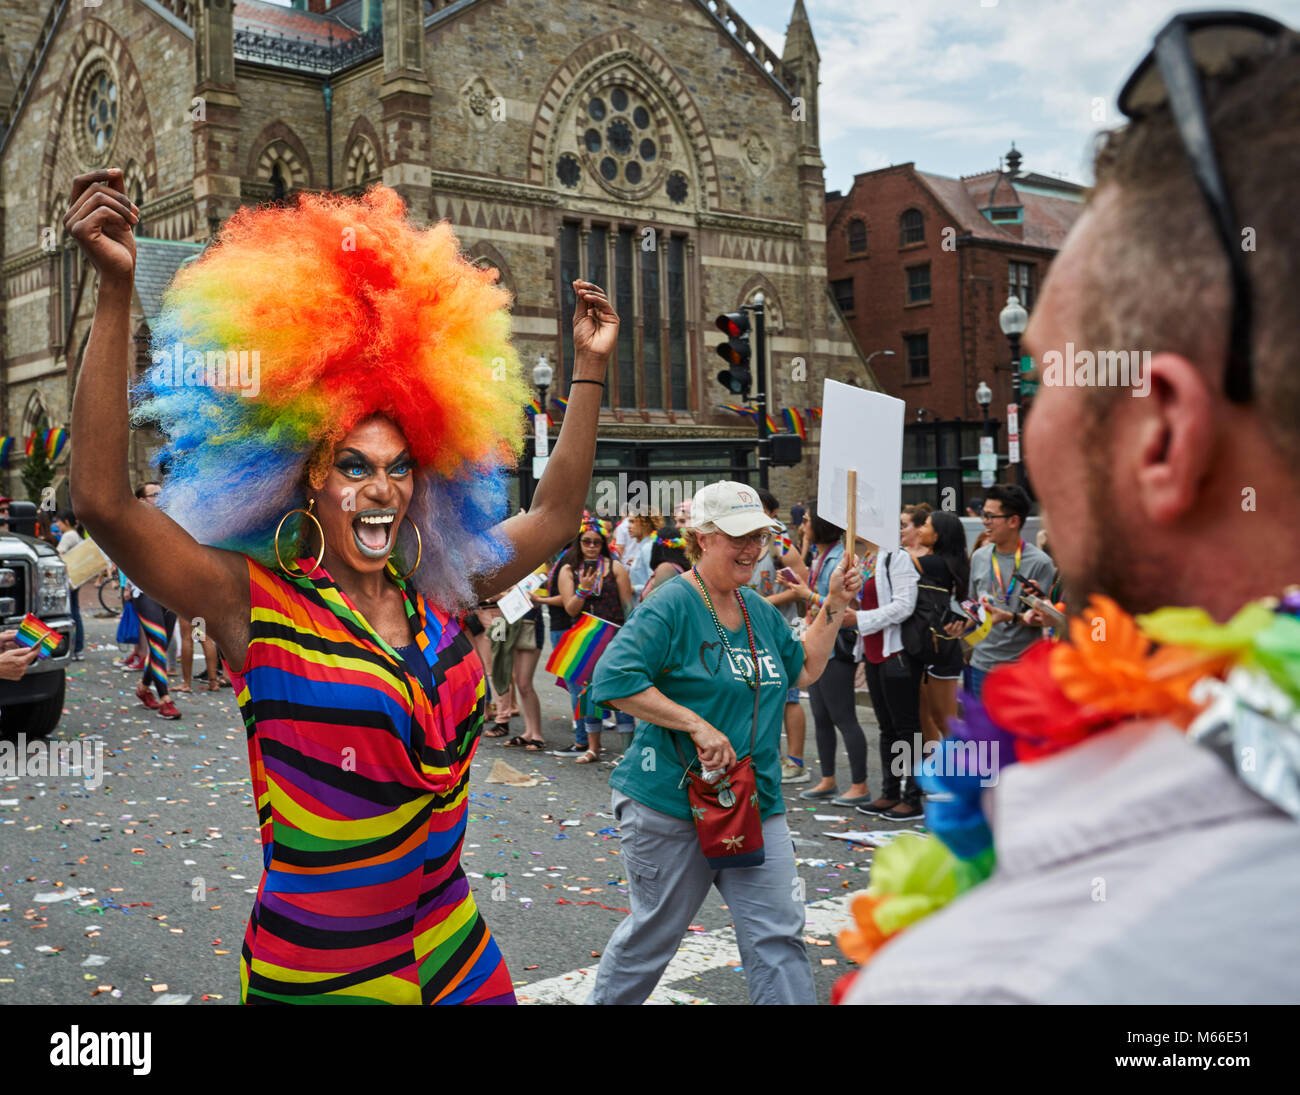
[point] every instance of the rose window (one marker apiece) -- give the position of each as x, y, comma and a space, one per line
623, 139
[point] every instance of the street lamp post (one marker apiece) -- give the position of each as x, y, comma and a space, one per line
1013, 320
543, 374
984, 396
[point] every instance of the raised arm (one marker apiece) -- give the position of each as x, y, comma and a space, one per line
159, 556
557, 506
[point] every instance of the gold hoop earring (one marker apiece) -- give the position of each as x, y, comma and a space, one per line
419, 549
307, 512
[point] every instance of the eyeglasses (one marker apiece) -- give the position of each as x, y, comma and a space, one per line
1189, 46
758, 539
988, 516
151, 497
587, 541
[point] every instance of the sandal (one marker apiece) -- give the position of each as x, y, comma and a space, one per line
587, 758
500, 730
536, 745
517, 742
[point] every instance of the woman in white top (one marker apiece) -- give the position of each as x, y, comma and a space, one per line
64, 526
895, 685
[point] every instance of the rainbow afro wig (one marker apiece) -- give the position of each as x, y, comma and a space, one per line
299, 323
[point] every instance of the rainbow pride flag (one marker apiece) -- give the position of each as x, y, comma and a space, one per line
575, 655
794, 422
31, 444
561, 403
55, 440
815, 413
736, 408
771, 426
32, 632
6, 447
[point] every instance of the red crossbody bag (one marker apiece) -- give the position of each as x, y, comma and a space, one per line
727, 818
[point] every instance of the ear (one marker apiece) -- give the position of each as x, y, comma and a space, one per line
1175, 437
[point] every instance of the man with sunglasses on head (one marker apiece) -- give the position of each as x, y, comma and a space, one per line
1144, 846
997, 573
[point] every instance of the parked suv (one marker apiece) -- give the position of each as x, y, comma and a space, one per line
33, 579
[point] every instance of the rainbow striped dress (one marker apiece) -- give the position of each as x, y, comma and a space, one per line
360, 775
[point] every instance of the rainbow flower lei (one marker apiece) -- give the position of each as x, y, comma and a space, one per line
1234, 688
671, 538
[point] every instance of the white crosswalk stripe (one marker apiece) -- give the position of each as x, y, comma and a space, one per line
698, 953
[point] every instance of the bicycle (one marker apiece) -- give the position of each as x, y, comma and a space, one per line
109, 591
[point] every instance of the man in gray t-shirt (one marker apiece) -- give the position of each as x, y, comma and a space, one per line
991, 579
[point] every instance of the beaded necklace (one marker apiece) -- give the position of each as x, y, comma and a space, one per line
722, 634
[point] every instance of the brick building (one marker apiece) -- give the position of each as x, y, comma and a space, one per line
657, 147
920, 266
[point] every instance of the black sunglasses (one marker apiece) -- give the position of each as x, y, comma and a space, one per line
1189, 46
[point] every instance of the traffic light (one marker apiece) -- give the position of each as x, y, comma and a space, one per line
735, 352
785, 450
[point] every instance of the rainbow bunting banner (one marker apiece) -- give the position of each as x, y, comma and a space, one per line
794, 422
736, 408
575, 655
32, 632
6, 447
55, 440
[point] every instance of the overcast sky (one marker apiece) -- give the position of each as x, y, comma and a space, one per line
950, 84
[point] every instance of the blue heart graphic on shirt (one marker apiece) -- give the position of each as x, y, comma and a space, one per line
717, 662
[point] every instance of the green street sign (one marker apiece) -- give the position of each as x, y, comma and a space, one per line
1027, 387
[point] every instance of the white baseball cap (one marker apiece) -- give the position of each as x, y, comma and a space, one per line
732, 507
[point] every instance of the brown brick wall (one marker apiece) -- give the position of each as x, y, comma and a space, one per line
968, 288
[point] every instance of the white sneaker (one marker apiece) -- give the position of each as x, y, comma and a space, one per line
794, 773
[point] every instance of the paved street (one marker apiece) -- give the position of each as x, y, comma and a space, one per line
138, 891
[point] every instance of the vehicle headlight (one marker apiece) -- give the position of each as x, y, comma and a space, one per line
54, 599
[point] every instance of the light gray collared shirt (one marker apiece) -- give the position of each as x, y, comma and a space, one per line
1135, 868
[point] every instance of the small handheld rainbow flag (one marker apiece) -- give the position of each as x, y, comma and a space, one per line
33, 632
794, 421
575, 655
561, 403
532, 407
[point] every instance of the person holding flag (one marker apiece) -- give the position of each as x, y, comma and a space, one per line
595, 586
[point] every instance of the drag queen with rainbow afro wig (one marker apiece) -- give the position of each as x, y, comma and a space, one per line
339, 404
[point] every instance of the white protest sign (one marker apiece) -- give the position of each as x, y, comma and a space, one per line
863, 431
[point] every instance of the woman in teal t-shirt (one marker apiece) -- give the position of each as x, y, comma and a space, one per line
683, 665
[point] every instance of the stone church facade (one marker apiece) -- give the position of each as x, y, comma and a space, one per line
656, 147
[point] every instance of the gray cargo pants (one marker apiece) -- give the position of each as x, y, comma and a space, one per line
667, 881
